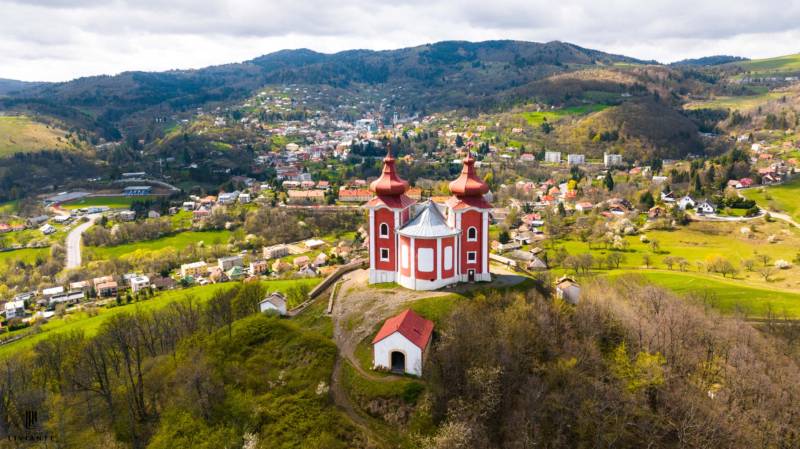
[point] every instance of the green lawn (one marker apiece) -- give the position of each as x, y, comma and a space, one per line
535, 118
91, 324
27, 255
728, 296
114, 202
178, 241
780, 198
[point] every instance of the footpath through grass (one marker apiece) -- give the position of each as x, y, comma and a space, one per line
89, 325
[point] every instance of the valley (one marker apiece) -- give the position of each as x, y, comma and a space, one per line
580, 249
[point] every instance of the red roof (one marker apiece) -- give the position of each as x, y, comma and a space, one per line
466, 202
389, 183
468, 183
392, 202
416, 329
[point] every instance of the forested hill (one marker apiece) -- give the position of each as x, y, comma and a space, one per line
431, 73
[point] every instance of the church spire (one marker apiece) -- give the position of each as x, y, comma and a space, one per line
468, 183
389, 183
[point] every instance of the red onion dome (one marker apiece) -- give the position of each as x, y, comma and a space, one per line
389, 182
468, 183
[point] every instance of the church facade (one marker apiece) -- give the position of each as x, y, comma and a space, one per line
427, 246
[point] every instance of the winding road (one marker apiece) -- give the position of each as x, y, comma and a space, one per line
73, 242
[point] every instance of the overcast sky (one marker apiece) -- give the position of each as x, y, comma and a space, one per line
55, 40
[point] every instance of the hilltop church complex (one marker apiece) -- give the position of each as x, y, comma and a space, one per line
425, 247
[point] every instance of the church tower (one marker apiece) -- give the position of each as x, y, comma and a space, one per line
468, 211
388, 211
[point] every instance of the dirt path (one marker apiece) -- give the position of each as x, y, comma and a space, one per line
358, 309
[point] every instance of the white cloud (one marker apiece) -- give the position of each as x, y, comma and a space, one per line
62, 39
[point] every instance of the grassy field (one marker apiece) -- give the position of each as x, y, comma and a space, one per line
742, 103
27, 255
780, 64
729, 296
780, 198
700, 242
114, 202
91, 324
21, 134
178, 241
535, 118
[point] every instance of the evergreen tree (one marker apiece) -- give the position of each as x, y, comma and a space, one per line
609, 181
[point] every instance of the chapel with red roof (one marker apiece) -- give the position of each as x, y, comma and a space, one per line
427, 246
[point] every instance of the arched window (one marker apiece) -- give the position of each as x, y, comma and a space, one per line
384, 230
472, 234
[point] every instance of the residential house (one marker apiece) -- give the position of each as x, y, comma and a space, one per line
47, 229
107, 289
127, 215
226, 263
306, 196
553, 157
576, 159
705, 208
258, 267
139, 283
14, 309
686, 203
354, 195
194, 269
275, 251
612, 160
52, 291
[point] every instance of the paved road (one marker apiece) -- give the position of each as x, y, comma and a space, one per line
73, 242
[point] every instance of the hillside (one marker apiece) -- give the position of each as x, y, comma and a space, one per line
20, 134
640, 129
7, 85
441, 75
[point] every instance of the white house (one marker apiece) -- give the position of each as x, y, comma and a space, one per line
568, 290
47, 229
52, 291
401, 343
686, 203
704, 207
139, 283
274, 302
15, 309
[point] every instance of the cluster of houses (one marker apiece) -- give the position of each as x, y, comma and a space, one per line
274, 259
102, 287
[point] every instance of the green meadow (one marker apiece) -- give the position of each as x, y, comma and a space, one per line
701, 242
178, 241
728, 296
789, 63
26, 255
781, 198
536, 118
89, 325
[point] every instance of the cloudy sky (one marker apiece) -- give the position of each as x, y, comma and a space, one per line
54, 40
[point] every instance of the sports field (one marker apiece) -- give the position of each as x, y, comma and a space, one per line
114, 202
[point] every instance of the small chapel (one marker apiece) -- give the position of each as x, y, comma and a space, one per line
428, 246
